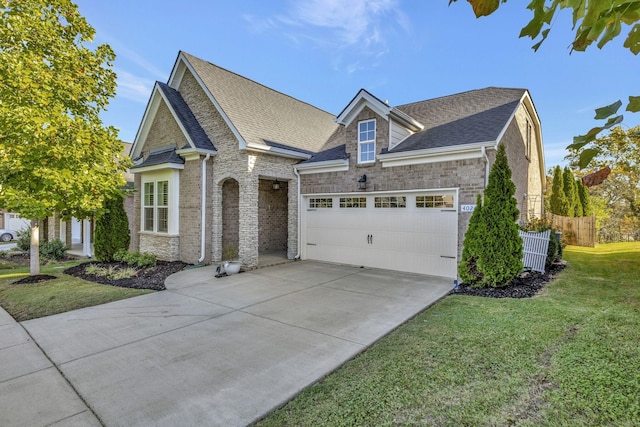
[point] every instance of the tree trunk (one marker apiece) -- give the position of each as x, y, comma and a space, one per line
34, 257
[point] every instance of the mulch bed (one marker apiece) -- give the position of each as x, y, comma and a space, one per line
34, 279
146, 278
525, 285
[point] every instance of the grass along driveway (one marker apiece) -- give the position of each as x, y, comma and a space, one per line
569, 356
65, 293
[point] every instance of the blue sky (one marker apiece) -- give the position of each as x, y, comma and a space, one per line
323, 51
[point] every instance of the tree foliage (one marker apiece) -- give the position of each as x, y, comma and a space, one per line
500, 255
598, 21
559, 205
55, 153
112, 229
473, 241
585, 201
618, 197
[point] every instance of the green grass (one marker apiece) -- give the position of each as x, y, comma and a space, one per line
65, 293
568, 357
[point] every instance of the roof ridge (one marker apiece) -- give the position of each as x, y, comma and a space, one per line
258, 83
459, 93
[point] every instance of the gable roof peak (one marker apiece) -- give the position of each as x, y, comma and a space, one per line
257, 113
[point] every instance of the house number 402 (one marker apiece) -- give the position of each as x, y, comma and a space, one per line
467, 208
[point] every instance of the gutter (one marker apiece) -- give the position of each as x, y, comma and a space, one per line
297, 174
486, 166
203, 208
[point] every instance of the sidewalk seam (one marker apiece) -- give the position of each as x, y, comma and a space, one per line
63, 376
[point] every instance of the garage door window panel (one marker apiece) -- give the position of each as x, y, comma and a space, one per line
353, 202
391, 202
434, 201
322, 203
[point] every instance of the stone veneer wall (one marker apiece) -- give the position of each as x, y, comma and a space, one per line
230, 214
164, 247
272, 217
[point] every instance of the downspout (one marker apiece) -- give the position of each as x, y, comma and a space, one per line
486, 166
295, 171
203, 208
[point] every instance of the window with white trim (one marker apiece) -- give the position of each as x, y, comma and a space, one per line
367, 141
156, 206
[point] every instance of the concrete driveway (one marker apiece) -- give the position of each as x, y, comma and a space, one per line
225, 351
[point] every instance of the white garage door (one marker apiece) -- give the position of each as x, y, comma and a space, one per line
16, 222
413, 232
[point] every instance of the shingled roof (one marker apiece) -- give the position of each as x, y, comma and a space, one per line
186, 117
167, 155
464, 118
261, 114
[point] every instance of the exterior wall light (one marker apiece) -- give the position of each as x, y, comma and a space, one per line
276, 185
362, 182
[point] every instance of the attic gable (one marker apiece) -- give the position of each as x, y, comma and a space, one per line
164, 95
364, 99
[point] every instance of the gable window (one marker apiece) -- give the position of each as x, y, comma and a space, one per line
367, 141
156, 206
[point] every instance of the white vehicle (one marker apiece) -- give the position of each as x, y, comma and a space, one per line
7, 235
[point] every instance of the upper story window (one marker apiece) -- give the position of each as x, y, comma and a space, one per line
367, 141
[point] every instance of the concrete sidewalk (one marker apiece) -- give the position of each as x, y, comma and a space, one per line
32, 390
211, 351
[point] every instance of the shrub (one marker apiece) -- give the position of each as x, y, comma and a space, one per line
135, 258
53, 250
500, 255
24, 240
112, 229
473, 239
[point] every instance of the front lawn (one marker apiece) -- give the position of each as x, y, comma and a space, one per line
65, 293
569, 356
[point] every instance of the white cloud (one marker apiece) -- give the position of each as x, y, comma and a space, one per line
134, 88
358, 29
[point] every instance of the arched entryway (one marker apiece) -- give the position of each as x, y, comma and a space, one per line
230, 218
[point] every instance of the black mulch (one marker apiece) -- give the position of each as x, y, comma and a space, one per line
146, 278
525, 285
34, 279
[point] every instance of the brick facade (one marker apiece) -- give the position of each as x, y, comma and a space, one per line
242, 208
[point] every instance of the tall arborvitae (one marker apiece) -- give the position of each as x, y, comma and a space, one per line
501, 252
583, 194
112, 229
569, 185
577, 206
559, 205
473, 240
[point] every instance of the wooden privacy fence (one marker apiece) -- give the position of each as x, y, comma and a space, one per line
535, 245
580, 231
